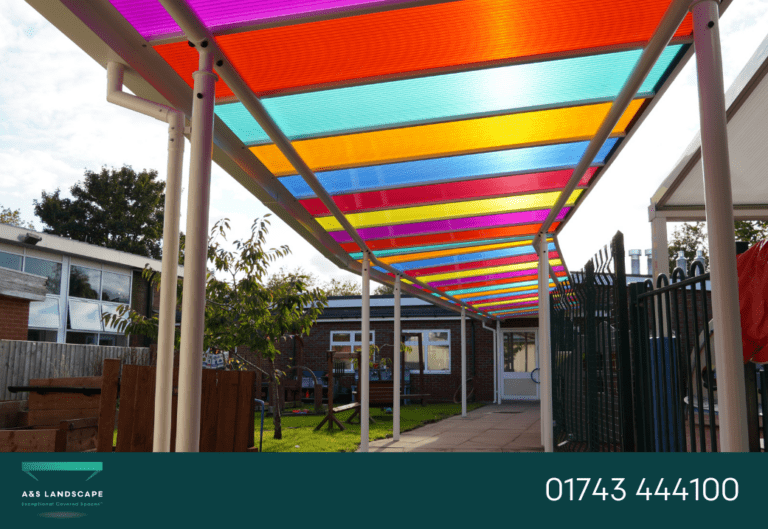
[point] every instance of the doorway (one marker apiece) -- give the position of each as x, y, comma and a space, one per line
520, 365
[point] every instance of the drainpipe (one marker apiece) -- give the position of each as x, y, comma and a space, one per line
495, 345
474, 358
167, 324
500, 361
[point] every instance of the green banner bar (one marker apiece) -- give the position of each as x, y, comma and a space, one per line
62, 466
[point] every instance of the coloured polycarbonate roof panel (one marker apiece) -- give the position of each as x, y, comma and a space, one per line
449, 237
448, 192
152, 21
489, 91
449, 225
425, 38
549, 126
388, 176
443, 131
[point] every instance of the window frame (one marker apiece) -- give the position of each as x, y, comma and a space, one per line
352, 343
426, 342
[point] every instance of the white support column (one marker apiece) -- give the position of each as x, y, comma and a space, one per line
365, 347
500, 361
545, 355
166, 332
718, 201
463, 362
660, 247
495, 371
396, 367
193, 304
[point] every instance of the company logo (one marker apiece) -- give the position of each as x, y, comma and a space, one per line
64, 493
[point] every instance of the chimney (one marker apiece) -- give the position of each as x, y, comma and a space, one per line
649, 258
634, 255
681, 261
700, 259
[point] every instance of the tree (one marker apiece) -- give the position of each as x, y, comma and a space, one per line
242, 309
116, 208
693, 237
342, 287
13, 217
751, 231
334, 287
284, 275
688, 238
383, 290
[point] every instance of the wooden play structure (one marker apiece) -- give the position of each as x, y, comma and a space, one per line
380, 392
330, 417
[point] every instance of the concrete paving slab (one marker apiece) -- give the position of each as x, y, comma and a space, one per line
491, 428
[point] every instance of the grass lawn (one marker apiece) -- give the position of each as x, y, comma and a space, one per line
299, 433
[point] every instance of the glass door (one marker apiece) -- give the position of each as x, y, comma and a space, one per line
520, 375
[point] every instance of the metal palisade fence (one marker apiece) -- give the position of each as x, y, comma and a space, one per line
592, 401
633, 364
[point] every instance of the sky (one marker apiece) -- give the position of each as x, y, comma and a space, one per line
55, 123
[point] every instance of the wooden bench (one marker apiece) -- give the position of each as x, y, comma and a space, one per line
380, 394
62, 417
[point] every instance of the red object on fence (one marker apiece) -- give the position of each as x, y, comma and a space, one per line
752, 268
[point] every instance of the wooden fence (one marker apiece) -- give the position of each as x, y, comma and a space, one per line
21, 361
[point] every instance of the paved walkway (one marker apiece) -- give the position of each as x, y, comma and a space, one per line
492, 428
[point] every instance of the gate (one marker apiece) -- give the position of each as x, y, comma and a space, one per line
674, 367
591, 372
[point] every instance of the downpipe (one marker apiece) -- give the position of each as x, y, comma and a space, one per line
167, 323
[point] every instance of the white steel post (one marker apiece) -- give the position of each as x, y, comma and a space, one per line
365, 348
463, 362
166, 333
500, 361
193, 304
545, 355
718, 201
396, 366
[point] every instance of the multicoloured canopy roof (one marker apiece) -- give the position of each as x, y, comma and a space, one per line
445, 132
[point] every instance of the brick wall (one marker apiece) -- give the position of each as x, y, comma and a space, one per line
14, 318
139, 293
440, 386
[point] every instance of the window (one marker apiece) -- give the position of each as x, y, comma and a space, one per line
10, 260
437, 351
110, 308
48, 269
84, 316
82, 338
37, 335
344, 341
44, 313
84, 282
115, 288
114, 340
